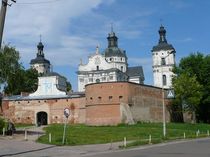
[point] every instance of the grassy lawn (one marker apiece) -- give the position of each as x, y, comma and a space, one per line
81, 134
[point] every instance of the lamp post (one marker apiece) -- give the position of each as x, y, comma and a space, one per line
163, 95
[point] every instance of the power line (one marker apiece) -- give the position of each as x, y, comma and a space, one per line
39, 2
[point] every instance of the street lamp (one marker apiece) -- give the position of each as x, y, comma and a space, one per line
163, 95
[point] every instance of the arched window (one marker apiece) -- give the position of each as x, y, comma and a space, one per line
164, 80
97, 67
163, 61
121, 68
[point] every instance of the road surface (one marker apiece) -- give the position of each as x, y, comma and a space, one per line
21, 148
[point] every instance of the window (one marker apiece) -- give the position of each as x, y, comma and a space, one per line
121, 68
99, 98
103, 78
110, 97
163, 61
120, 97
90, 79
81, 80
97, 80
97, 67
111, 77
164, 80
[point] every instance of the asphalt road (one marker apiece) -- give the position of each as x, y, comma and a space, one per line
17, 148
195, 148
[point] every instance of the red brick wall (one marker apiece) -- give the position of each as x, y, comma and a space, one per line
144, 103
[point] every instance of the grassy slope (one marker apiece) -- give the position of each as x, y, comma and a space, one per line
81, 134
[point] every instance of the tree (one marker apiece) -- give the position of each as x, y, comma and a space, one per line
22, 81
68, 86
13, 75
9, 63
197, 66
188, 92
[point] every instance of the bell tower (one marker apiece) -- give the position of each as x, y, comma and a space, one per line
163, 55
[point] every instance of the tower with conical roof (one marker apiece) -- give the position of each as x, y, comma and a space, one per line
114, 55
163, 61
41, 64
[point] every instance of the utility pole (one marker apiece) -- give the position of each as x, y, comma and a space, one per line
2, 17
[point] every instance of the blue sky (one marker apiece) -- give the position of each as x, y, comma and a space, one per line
71, 29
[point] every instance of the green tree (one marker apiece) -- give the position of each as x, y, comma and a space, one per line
188, 92
197, 65
9, 63
22, 81
68, 86
13, 75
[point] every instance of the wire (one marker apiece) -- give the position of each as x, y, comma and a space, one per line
40, 2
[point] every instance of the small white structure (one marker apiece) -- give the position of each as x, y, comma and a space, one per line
163, 61
50, 85
111, 66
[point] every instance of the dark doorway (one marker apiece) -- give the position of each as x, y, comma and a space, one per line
41, 118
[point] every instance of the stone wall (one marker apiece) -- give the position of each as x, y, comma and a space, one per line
25, 111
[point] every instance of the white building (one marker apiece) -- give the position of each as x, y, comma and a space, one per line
41, 64
110, 66
52, 84
163, 61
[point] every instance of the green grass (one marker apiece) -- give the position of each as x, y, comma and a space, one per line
23, 125
81, 134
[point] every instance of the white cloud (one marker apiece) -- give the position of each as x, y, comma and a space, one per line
146, 63
24, 24
188, 39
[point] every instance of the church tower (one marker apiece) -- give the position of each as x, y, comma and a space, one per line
114, 55
41, 64
163, 61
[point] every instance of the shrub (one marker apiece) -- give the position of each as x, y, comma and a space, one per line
2, 124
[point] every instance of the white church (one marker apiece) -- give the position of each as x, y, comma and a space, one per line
109, 66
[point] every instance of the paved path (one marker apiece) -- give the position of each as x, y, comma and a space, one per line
18, 146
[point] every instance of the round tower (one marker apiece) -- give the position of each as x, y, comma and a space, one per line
163, 61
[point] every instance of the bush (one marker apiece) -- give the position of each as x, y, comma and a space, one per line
2, 124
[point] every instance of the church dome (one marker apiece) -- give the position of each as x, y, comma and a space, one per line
40, 59
162, 44
113, 50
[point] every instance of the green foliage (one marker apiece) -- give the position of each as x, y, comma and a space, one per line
81, 134
68, 86
22, 81
9, 63
2, 124
13, 74
188, 90
193, 77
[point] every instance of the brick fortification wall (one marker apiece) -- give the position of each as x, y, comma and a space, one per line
25, 111
104, 104
123, 102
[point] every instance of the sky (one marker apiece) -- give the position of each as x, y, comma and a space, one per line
71, 29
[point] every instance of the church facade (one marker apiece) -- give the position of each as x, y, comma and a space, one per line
109, 66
